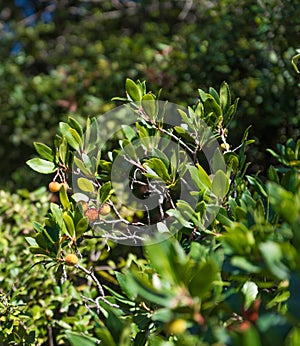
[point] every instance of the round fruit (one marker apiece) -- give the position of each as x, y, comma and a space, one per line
84, 205
177, 326
71, 259
105, 209
225, 146
92, 214
54, 186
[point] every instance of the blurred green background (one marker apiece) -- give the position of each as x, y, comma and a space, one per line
72, 57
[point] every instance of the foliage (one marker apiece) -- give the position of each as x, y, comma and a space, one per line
50, 76
232, 281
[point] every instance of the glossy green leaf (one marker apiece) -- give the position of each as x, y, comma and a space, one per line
203, 279
44, 151
250, 291
200, 177
220, 184
150, 106
69, 223
41, 166
82, 340
158, 166
64, 199
72, 136
75, 125
225, 98
133, 91
57, 213
85, 185
129, 132
213, 92
105, 192
81, 227
211, 105
63, 150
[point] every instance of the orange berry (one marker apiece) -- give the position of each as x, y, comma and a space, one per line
54, 186
104, 209
71, 259
92, 214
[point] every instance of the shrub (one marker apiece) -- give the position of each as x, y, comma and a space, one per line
51, 76
221, 265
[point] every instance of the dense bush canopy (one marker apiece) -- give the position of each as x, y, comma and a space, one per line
76, 61
218, 260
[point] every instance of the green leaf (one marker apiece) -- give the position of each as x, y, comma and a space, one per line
82, 340
44, 151
129, 132
200, 177
69, 223
42, 166
185, 118
85, 184
79, 164
31, 241
232, 161
220, 184
203, 279
63, 196
168, 259
214, 94
147, 291
283, 202
225, 98
202, 95
178, 216
257, 185
211, 105
39, 251
158, 166
57, 213
38, 227
125, 285
217, 160
150, 106
63, 150
81, 227
133, 91
72, 136
272, 255
75, 125
250, 337
105, 192
159, 154
250, 292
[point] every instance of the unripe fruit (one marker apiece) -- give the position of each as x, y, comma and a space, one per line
92, 214
71, 259
104, 209
225, 146
177, 326
54, 186
84, 206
